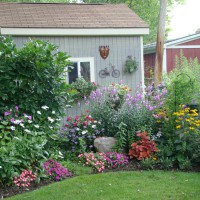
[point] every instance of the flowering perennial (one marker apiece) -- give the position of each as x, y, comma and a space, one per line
100, 161
25, 178
55, 170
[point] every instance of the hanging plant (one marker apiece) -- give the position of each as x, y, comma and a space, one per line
131, 65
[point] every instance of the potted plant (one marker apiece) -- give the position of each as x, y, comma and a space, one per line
131, 65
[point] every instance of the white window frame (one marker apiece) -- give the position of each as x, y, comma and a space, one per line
78, 61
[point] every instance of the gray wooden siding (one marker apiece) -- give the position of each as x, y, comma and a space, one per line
120, 48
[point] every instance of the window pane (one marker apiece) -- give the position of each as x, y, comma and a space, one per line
85, 70
73, 74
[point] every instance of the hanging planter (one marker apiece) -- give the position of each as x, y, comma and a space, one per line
131, 65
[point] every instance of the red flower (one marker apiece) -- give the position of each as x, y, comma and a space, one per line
85, 123
69, 118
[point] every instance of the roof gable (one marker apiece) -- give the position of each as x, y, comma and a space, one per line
50, 15
151, 48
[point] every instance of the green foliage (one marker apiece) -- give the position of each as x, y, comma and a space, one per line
130, 65
148, 163
32, 76
25, 144
148, 10
183, 83
83, 88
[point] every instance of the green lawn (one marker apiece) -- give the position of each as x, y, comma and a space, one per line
155, 185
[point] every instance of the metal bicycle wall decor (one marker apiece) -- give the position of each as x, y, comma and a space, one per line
109, 72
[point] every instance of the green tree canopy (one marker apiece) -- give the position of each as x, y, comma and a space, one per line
148, 10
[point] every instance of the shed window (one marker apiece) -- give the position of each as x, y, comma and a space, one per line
82, 67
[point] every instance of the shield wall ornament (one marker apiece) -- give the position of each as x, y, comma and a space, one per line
104, 51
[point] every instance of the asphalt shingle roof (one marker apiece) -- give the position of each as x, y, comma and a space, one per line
52, 15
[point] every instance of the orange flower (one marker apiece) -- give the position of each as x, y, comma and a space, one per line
87, 111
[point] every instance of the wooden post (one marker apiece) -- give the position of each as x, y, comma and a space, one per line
160, 42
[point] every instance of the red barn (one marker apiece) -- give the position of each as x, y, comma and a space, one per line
189, 45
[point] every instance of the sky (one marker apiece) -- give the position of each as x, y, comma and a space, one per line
185, 19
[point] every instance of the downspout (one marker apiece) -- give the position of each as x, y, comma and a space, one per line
164, 68
142, 61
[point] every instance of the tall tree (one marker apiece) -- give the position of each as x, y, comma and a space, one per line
160, 42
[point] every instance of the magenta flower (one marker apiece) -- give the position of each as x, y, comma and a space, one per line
17, 107
7, 113
29, 117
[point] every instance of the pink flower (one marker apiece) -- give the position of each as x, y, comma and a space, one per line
29, 117
69, 118
7, 113
17, 107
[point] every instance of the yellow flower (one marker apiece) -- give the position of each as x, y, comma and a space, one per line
191, 128
154, 158
179, 126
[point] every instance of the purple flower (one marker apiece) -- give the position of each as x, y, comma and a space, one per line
17, 107
12, 120
7, 113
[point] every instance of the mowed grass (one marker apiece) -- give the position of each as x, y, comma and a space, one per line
155, 185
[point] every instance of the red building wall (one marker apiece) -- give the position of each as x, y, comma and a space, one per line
149, 62
173, 53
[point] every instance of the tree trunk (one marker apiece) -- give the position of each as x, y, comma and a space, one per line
160, 42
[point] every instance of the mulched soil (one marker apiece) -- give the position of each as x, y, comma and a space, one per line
133, 165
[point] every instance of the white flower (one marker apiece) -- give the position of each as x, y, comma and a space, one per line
17, 121
84, 132
22, 125
29, 121
51, 127
93, 126
50, 119
26, 130
95, 122
45, 107
0, 167
12, 128
53, 112
39, 113
58, 119
36, 126
78, 129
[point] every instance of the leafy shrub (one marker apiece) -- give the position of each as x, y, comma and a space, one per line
32, 76
25, 144
144, 148
55, 170
148, 163
80, 133
25, 179
83, 88
183, 84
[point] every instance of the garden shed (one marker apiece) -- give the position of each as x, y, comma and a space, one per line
96, 36
189, 46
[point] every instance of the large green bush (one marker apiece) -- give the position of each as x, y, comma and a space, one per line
32, 76
183, 83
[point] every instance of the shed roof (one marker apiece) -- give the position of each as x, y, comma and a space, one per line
58, 15
151, 48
